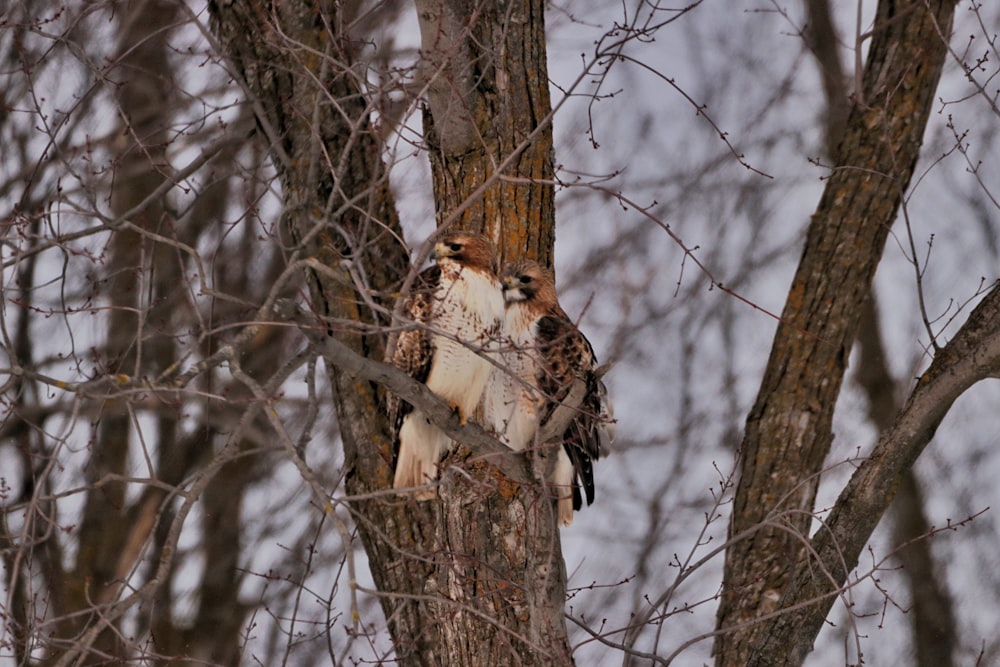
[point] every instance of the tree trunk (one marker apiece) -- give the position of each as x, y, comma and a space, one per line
931, 614
138, 285
475, 577
788, 432
488, 96
487, 93
973, 354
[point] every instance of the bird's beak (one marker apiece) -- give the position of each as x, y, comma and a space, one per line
509, 283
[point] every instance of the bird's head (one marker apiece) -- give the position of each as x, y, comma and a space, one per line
529, 282
467, 249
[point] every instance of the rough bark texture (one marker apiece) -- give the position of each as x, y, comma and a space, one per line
972, 355
788, 431
294, 60
488, 93
475, 577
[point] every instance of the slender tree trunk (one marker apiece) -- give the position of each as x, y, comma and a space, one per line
823, 41
972, 354
136, 285
475, 577
931, 614
932, 610
788, 431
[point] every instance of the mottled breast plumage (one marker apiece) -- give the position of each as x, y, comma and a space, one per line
449, 319
546, 355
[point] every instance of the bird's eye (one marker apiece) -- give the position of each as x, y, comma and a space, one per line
525, 280
455, 247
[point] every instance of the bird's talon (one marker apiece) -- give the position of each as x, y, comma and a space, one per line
458, 412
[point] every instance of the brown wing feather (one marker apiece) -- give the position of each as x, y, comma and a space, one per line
566, 356
414, 348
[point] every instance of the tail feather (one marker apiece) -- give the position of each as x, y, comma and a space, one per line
421, 445
565, 489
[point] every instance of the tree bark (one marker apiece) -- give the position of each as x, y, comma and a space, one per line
931, 608
788, 432
486, 118
931, 613
972, 355
294, 61
476, 576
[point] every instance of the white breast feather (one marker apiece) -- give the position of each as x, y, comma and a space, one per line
512, 400
471, 307
469, 310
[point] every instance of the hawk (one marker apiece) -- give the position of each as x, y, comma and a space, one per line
457, 307
543, 355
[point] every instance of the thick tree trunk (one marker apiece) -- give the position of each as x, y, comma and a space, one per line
788, 431
487, 119
475, 577
294, 61
488, 97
